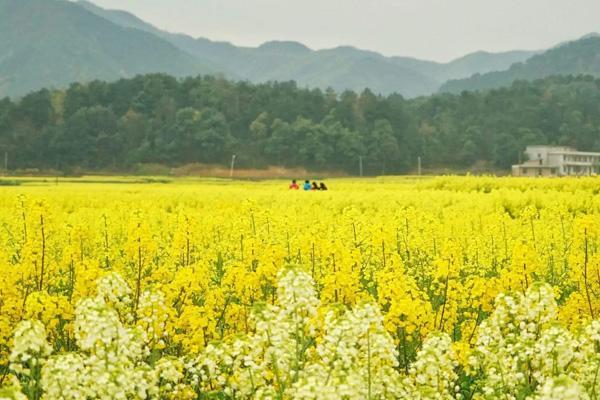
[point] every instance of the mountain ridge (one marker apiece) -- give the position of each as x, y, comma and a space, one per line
412, 78
577, 57
52, 43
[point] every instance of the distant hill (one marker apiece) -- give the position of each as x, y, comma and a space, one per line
53, 43
572, 58
340, 68
480, 62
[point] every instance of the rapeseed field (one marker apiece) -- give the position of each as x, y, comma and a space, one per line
383, 288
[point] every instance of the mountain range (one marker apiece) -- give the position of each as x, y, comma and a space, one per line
573, 58
51, 43
341, 68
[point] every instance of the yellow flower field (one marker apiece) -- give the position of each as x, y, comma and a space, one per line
399, 288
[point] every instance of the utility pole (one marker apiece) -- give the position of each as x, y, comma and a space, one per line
419, 165
232, 166
360, 166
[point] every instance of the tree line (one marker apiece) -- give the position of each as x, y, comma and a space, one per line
160, 119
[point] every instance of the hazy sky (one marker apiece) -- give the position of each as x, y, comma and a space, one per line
430, 29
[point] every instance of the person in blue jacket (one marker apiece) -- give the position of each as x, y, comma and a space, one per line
307, 185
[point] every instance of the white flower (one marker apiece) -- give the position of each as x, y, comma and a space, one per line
29, 346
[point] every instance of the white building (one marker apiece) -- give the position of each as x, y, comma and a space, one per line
557, 161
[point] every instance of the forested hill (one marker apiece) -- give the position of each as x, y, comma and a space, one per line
53, 43
159, 119
578, 57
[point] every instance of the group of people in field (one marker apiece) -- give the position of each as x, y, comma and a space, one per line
308, 186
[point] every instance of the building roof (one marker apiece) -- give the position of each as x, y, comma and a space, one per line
555, 148
574, 153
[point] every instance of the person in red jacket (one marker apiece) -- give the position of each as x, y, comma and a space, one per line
294, 185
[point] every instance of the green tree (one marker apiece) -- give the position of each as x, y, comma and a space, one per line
88, 139
506, 151
280, 148
382, 145
259, 134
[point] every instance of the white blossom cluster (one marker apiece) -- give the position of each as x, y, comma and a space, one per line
228, 368
152, 317
433, 374
112, 361
353, 358
561, 388
109, 364
299, 350
356, 359
169, 372
265, 364
522, 353
114, 291
30, 345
